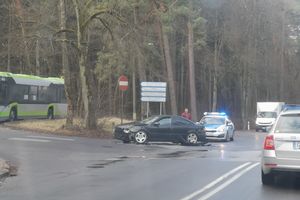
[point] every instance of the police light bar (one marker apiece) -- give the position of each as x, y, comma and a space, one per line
215, 113
291, 107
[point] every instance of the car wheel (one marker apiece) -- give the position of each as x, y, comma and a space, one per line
192, 138
141, 137
267, 179
13, 115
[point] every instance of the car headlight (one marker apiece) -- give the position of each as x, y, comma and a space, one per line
126, 131
135, 129
221, 129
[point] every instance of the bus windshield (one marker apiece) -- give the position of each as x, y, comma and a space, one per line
3, 92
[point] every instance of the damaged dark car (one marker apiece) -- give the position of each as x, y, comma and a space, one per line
163, 128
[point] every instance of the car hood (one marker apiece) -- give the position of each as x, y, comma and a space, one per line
212, 126
128, 125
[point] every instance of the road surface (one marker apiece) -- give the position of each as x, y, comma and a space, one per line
73, 168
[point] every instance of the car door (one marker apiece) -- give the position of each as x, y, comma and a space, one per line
230, 126
160, 129
180, 127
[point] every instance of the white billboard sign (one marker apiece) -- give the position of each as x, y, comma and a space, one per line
153, 91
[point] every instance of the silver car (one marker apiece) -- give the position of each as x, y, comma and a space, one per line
281, 151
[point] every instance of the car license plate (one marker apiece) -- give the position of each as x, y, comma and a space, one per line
297, 145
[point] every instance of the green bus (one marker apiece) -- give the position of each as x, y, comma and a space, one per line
26, 96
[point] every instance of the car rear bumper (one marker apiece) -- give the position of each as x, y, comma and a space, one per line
270, 163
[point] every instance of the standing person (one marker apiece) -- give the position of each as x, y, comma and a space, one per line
186, 114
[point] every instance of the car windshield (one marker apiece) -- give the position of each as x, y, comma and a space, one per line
149, 120
288, 124
267, 115
213, 121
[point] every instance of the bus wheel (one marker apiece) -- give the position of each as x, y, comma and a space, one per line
13, 114
50, 113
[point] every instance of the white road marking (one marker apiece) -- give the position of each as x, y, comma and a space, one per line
225, 184
210, 185
51, 138
29, 140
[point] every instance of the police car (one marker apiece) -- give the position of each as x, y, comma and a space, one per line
218, 126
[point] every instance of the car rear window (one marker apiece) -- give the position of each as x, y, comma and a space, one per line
288, 124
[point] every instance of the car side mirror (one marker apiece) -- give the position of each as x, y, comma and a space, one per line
156, 124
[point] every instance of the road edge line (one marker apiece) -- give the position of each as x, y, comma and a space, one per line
216, 181
228, 182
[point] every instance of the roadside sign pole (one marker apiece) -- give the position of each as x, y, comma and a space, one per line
122, 106
147, 109
123, 86
160, 108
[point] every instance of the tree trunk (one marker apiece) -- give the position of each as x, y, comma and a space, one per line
133, 96
37, 58
192, 71
26, 51
87, 96
110, 95
282, 71
9, 38
216, 65
66, 67
170, 73
140, 64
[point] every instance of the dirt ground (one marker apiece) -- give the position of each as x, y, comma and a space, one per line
57, 127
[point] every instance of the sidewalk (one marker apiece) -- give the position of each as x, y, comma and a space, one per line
4, 169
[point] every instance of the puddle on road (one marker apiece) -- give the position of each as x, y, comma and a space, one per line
178, 154
103, 163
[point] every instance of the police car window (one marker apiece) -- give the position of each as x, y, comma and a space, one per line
213, 120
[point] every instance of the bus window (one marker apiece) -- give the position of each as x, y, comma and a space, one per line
19, 93
42, 94
33, 93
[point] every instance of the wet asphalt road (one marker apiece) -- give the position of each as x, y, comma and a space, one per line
72, 168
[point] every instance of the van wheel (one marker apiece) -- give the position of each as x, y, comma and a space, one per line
13, 114
50, 113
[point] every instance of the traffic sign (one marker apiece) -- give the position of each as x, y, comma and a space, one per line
153, 91
123, 83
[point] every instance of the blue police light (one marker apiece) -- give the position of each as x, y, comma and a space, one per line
291, 107
215, 113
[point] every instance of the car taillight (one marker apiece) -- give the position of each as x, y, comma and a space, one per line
269, 143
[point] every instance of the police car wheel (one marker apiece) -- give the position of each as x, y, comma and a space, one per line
227, 139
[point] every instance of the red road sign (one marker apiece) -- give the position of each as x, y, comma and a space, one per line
123, 83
